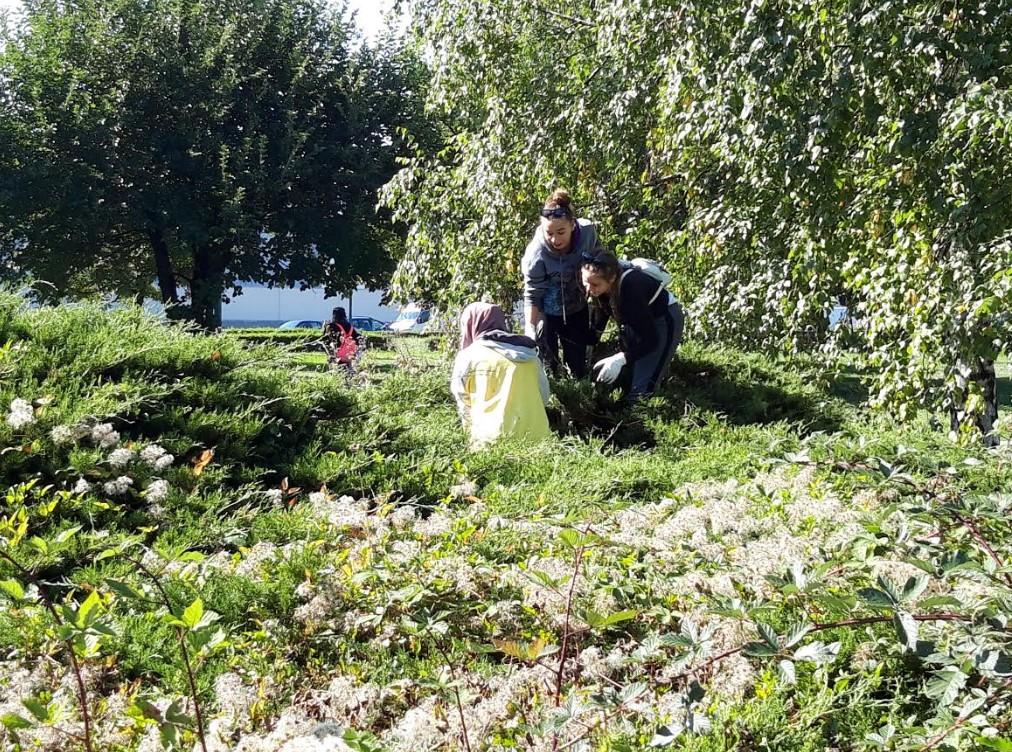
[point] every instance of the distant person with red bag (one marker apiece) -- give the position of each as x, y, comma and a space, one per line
342, 340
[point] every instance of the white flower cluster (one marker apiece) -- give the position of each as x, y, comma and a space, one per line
119, 486
317, 497
157, 490
121, 457
275, 496
156, 457
402, 517
82, 486
62, 435
437, 523
104, 435
22, 414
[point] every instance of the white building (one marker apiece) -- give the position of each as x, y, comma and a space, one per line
270, 306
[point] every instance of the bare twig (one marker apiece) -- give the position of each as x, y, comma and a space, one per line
82, 693
982, 542
191, 681
456, 694
819, 627
577, 559
935, 741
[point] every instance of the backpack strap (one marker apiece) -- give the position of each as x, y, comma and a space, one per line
660, 286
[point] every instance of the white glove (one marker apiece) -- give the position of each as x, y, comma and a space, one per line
610, 367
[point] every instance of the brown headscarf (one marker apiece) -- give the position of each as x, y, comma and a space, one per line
479, 318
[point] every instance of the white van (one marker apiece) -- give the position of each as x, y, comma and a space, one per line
413, 319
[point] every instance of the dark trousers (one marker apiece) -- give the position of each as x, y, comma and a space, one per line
573, 335
646, 372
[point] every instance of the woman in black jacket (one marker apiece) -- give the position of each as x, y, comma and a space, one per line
650, 322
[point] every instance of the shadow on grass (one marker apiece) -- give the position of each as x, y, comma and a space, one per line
742, 391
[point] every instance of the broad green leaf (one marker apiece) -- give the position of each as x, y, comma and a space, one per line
41, 710
906, 629
13, 589
944, 685
769, 635
67, 534
759, 650
890, 589
87, 612
787, 673
665, 735
617, 616
913, 587
193, 613
797, 633
876, 598
15, 722
124, 590
998, 744
941, 600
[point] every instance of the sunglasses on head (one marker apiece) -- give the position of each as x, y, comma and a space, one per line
590, 259
556, 212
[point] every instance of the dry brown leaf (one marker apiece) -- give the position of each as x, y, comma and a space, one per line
201, 460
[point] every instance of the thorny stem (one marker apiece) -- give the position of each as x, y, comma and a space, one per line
577, 559
982, 542
182, 646
456, 695
819, 627
82, 694
961, 720
604, 721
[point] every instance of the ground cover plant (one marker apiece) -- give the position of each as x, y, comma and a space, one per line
208, 543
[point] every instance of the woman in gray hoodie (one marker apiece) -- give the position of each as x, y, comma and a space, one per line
553, 295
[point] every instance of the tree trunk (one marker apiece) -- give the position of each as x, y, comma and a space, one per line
207, 287
982, 378
163, 267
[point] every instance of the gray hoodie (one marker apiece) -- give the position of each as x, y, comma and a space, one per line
552, 279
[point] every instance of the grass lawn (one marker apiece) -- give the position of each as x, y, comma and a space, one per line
749, 560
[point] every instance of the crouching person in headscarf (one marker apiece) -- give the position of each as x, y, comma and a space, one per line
498, 381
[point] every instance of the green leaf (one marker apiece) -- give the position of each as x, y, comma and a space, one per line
124, 590
945, 684
890, 589
913, 587
769, 635
999, 744
193, 613
41, 710
787, 673
67, 534
665, 735
610, 619
941, 600
797, 633
759, 650
817, 652
906, 629
86, 614
15, 722
876, 598
13, 589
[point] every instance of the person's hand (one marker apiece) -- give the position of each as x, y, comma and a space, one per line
609, 368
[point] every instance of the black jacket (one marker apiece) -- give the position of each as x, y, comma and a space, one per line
636, 315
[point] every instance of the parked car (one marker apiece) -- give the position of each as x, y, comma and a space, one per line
301, 324
368, 324
412, 319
